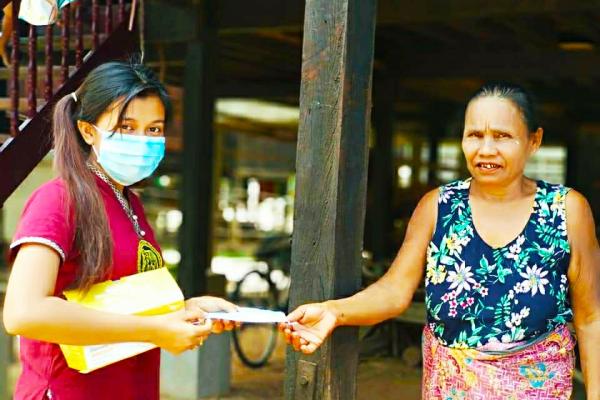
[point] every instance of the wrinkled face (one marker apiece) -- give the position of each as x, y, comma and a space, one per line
496, 142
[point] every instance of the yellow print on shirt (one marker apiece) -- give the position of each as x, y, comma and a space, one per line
148, 258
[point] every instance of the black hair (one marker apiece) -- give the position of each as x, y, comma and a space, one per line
516, 94
117, 81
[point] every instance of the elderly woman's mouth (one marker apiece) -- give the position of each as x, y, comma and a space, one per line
488, 166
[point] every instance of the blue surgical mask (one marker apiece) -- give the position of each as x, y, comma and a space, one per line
128, 159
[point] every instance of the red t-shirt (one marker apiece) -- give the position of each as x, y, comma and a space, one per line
46, 219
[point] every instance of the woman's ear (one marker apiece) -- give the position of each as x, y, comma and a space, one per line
87, 131
536, 140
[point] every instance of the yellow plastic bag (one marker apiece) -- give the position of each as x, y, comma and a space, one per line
147, 293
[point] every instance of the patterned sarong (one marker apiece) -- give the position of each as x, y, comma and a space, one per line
540, 370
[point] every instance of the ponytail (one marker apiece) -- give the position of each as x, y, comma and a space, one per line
92, 233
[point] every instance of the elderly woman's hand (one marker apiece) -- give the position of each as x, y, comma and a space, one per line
309, 325
207, 304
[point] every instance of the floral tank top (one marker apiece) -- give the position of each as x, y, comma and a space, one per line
478, 295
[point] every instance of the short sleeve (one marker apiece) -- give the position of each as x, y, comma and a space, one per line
46, 219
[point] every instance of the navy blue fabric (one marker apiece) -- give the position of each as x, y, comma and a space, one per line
476, 294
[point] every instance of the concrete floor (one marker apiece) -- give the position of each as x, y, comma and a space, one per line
378, 378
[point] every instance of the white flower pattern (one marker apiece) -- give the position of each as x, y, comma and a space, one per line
534, 280
461, 278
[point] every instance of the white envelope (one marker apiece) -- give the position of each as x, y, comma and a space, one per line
250, 315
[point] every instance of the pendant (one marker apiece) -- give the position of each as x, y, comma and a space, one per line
148, 258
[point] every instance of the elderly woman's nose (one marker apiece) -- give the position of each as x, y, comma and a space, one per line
488, 145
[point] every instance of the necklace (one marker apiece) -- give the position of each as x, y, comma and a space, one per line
121, 199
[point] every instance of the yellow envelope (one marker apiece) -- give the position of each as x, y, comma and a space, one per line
147, 293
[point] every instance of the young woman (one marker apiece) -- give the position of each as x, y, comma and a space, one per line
87, 226
507, 261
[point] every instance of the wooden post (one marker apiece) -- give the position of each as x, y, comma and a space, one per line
434, 133
382, 177
439, 114
572, 134
197, 195
331, 169
206, 371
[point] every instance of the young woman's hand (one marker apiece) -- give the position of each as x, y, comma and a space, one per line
180, 331
208, 304
309, 325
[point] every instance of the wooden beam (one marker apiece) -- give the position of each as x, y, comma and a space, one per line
170, 22
461, 63
288, 14
431, 11
258, 89
331, 182
531, 37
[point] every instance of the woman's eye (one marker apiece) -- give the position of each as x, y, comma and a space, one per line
126, 128
155, 130
503, 135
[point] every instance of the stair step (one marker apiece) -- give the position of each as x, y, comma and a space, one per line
5, 104
57, 41
41, 72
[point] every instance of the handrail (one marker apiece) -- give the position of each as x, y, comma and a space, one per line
28, 145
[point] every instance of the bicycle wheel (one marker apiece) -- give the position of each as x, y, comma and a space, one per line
254, 343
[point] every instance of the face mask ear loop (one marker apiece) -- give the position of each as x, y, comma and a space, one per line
95, 152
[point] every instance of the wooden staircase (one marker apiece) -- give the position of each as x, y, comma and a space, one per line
103, 31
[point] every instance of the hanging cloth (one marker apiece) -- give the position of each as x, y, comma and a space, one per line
41, 12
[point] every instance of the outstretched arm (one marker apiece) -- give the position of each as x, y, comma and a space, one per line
388, 297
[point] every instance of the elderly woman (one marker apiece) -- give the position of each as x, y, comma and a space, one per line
508, 262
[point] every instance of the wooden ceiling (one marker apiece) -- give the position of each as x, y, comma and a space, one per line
430, 51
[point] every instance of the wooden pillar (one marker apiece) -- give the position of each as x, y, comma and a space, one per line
331, 170
197, 157
571, 164
379, 219
204, 372
572, 141
434, 132
439, 115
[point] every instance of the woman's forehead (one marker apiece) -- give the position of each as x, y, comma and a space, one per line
144, 109
494, 113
